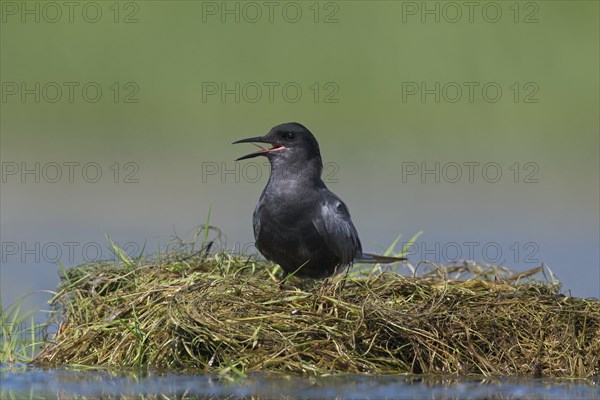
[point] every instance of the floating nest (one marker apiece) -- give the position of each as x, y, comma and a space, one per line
226, 314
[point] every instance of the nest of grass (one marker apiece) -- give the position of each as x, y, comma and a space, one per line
221, 313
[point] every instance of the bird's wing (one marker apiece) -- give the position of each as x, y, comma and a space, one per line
335, 226
256, 222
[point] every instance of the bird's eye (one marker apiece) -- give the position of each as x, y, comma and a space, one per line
289, 136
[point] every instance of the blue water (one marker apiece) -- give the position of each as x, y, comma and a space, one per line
27, 383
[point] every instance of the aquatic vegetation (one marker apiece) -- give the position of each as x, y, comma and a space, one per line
227, 314
21, 337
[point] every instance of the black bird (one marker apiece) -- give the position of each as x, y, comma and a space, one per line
298, 223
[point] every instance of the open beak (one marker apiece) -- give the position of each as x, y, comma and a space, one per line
263, 150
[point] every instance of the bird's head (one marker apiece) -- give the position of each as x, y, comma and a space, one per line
291, 144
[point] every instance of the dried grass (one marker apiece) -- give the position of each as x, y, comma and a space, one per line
226, 314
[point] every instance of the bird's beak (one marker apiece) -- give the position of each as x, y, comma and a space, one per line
263, 151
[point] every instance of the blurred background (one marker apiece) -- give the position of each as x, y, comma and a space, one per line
476, 124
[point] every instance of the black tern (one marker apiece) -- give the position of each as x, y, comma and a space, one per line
299, 223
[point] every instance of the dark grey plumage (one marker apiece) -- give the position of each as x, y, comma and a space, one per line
298, 223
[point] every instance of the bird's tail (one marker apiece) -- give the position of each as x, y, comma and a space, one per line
369, 258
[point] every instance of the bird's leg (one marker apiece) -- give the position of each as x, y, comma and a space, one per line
345, 278
283, 278
343, 283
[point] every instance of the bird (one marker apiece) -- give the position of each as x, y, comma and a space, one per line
298, 222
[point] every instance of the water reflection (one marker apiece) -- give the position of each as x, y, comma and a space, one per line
28, 383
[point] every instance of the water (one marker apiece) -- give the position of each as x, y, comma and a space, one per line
28, 383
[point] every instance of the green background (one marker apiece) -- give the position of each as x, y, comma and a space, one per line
170, 50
